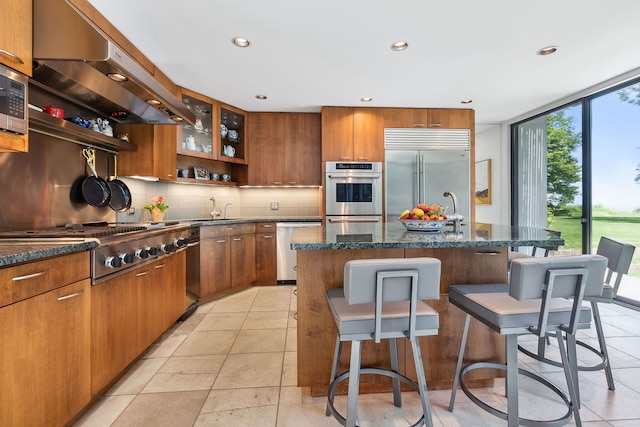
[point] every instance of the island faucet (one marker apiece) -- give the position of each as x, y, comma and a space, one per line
225, 210
455, 216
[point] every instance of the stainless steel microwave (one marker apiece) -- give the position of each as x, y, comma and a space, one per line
13, 102
353, 188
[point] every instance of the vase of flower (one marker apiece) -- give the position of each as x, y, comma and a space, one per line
157, 208
157, 215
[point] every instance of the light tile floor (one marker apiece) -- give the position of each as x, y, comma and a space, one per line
233, 363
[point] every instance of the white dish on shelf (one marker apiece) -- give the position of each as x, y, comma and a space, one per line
424, 225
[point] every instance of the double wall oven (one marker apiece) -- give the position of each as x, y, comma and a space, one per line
353, 197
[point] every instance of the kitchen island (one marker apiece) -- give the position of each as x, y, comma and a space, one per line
473, 253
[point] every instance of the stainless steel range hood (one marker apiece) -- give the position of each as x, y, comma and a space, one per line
73, 58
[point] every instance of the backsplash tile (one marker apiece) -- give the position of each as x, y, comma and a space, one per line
193, 201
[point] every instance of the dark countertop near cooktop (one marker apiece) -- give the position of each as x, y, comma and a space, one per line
204, 222
394, 235
18, 251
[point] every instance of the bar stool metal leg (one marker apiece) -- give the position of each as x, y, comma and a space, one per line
393, 350
422, 383
456, 377
354, 383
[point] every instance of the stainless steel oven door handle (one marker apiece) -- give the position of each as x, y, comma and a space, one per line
332, 220
354, 176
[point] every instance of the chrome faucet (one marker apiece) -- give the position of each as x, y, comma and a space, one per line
215, 211
225, 210
455, 216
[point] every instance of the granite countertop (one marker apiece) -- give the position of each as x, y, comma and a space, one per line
204, 222
394, 235
18, 251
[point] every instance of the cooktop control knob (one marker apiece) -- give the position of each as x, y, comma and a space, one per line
113, 262
167, 248
153, 250
180, 242
142, 253
126, 258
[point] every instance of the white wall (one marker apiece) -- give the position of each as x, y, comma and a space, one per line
492, 142
190, 201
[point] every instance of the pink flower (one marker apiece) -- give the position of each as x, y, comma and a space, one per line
157, 199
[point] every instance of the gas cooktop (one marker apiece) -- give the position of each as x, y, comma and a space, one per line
95, 229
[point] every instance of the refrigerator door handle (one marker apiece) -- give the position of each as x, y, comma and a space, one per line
418, 182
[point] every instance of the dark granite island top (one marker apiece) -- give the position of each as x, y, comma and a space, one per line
474, 254
394, 235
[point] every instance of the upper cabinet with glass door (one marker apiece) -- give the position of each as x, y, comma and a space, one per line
233, 145
199, 139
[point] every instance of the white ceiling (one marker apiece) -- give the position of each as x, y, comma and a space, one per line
305, 54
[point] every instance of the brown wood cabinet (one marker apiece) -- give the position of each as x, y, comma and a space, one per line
215, 263
243, 258
16, 35
352, 134
444, 118
45, 375
266, 254
156, 151
227, 258
11, 142
129, 312
285, 149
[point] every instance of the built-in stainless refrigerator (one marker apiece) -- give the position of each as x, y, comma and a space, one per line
421, 165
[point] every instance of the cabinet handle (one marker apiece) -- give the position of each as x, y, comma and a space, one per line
277, 183
268, 237
230, 228
144, 273
160, 266
267, 226
221, 241
30, 276
77, 294
435, 125
418, 125
13, 55
293, 183
169, 174
237, 239
362, 159
491, 253
344, 158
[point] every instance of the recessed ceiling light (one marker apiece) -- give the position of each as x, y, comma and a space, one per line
399, 46
366, 99
240, 42
261, 97
117, 77
177, 119
153, 102
466, 101
547, 50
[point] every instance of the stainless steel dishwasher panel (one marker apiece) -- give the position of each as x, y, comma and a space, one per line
286, 258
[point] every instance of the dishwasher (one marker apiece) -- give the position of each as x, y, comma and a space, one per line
286, 258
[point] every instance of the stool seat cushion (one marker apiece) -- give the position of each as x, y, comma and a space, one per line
501, 312
359, 319
511, 255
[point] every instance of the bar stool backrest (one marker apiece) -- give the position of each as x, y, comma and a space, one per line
529, 276
619, 257
361, 278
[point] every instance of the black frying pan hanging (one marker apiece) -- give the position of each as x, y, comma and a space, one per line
120, 193
95, 190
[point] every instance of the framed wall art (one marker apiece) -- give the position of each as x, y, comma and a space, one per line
483, 182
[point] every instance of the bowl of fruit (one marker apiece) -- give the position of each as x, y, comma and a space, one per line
424, 218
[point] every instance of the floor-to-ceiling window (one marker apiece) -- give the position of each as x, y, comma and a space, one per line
615, 174
576, 169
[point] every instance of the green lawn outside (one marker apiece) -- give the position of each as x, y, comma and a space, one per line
623, 228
